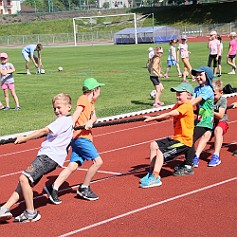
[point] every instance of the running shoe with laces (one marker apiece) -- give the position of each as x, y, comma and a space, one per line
87, 193
215, 160
5, 214
152, 181
18, 108
27, 217
183, 171
145, 178
52, 195
6, 108
166, 75
195, 161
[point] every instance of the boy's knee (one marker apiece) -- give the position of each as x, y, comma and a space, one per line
23, 179
153, 145
98, 162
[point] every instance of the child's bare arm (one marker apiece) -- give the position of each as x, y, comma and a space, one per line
8, 71
162, 116
234, 104
219, 115
76, 114
34, 135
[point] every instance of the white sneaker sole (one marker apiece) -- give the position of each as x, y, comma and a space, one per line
6, 217
214, 165
151, 185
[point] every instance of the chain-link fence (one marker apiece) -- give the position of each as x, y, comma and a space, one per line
102, 37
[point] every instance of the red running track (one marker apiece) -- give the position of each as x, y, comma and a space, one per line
203, 204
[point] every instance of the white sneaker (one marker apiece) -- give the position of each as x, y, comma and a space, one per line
231, 73
28, 73
5, 215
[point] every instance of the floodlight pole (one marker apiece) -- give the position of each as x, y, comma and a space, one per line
135, 27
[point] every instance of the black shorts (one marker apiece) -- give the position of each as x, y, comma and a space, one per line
40, 166
232, 56
219, 60
155, 80
171, 148
212, 58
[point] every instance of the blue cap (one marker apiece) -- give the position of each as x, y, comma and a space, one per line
208, 71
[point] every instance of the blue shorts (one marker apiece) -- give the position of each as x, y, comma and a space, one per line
26, 56
83, 149
171, 63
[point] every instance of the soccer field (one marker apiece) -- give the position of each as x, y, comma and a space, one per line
120, 67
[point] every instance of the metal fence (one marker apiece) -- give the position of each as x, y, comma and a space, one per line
102, 37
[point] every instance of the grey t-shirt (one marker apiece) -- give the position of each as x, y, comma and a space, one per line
221, 103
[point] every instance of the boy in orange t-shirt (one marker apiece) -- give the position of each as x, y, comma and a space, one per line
82, 144
168, 148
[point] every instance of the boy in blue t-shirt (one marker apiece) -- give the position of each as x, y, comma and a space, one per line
204, 100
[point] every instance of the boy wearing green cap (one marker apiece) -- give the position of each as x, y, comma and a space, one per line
168, 148
82, 144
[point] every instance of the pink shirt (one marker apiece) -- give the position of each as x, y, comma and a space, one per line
183, 48
233, 45
213, 46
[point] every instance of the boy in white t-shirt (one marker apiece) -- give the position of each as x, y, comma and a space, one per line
52, 153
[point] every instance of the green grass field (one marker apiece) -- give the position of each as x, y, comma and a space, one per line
121, 68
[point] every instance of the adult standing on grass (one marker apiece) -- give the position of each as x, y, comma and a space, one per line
232, 52
7, 81
155, 75
28, 54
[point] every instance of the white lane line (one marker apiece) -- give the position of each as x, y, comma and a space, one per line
147, 207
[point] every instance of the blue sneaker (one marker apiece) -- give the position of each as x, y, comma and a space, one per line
215, 161
195, 161
145, 178
151, 182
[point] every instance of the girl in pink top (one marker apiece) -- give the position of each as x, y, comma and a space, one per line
184, 53
214, 47
232, 52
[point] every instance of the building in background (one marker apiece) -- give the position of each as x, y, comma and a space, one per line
10, 7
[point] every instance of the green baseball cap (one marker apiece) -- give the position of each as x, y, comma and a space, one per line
183, 87
90, 84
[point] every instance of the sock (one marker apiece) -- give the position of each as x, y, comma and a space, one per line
55, 188
156, 174
27, 70
84, 186
197, 155
31, 213
4, 209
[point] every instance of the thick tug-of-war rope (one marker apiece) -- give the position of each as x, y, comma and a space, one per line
97, 125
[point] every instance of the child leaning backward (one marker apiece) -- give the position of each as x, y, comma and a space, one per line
168, 148
220, 127
52, 153
82, 144
203, 100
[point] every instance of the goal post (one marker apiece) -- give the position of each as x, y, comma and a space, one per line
88, 25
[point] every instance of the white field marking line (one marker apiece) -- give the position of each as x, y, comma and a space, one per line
105, 178
147, 207
18, 152
106, 172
